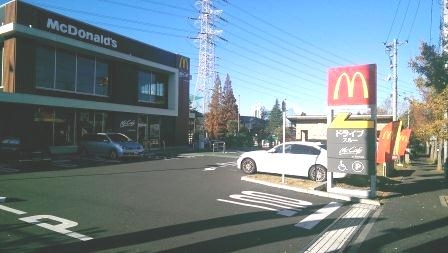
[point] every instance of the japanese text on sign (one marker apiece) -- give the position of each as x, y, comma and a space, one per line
349, 136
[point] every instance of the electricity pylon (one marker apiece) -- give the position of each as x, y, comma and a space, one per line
207, 42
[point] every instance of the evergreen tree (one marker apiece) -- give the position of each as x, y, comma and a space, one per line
229, 106
275, 118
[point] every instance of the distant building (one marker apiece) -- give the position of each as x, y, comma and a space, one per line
250, 122
258, 110
314, 127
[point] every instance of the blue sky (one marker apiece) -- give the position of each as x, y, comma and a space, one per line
277, 49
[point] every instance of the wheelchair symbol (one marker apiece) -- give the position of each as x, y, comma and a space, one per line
342, 166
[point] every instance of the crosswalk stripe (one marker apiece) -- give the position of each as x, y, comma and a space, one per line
312, 220
337, 234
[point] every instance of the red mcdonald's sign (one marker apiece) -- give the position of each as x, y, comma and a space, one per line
352, 85
386, 142
405, 135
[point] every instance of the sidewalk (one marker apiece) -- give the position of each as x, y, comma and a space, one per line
413, 217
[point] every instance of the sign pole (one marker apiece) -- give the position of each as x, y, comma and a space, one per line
330, 185
284, 130
373, 113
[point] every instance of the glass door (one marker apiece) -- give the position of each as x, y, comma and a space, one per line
142, 135
154, 133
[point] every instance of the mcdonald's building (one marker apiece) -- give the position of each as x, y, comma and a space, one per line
62, 78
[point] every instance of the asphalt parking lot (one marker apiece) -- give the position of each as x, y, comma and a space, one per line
187, 203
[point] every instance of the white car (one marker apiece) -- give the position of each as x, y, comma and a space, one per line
304, 159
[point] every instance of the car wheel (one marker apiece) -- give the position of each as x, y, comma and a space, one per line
113, 155
318, 173
248, 166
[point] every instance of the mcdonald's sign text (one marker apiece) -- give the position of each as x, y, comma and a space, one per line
352, 85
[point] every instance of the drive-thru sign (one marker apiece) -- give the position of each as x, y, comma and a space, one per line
351, 145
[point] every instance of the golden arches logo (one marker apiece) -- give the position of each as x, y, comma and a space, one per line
351, 85
183, 63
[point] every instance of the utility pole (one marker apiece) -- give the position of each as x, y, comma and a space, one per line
207, 37
392, 48
444, 39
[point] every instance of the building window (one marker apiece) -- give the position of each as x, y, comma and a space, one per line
100, 122
85, 75
61, 70
102, 78
65, 71
45, 67
152, 87
92, 122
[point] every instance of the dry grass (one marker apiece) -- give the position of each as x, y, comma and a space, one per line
289, 180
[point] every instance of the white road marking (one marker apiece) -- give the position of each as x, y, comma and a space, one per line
336, 235
11, 210
219, 165
226, 164
271, 200
283, 205
61, 228
312, 220
244, 204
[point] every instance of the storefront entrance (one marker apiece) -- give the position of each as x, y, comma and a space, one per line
148, 132
54, 127
143, 137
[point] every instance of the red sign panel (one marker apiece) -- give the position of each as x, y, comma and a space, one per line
386, 141
352, 85
405, 135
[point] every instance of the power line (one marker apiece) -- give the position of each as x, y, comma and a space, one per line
404, 19
393, 21
413, 20
284, 44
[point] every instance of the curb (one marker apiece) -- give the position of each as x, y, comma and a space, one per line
314, 192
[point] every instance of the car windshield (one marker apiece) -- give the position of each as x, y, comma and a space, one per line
119, 137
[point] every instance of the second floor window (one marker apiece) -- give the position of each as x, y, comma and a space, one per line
66, 71
152, 87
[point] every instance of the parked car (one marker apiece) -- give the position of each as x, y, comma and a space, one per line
17, 149
111, 145
304, 159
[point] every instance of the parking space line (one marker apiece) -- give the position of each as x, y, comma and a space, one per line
244, 204
11, 210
